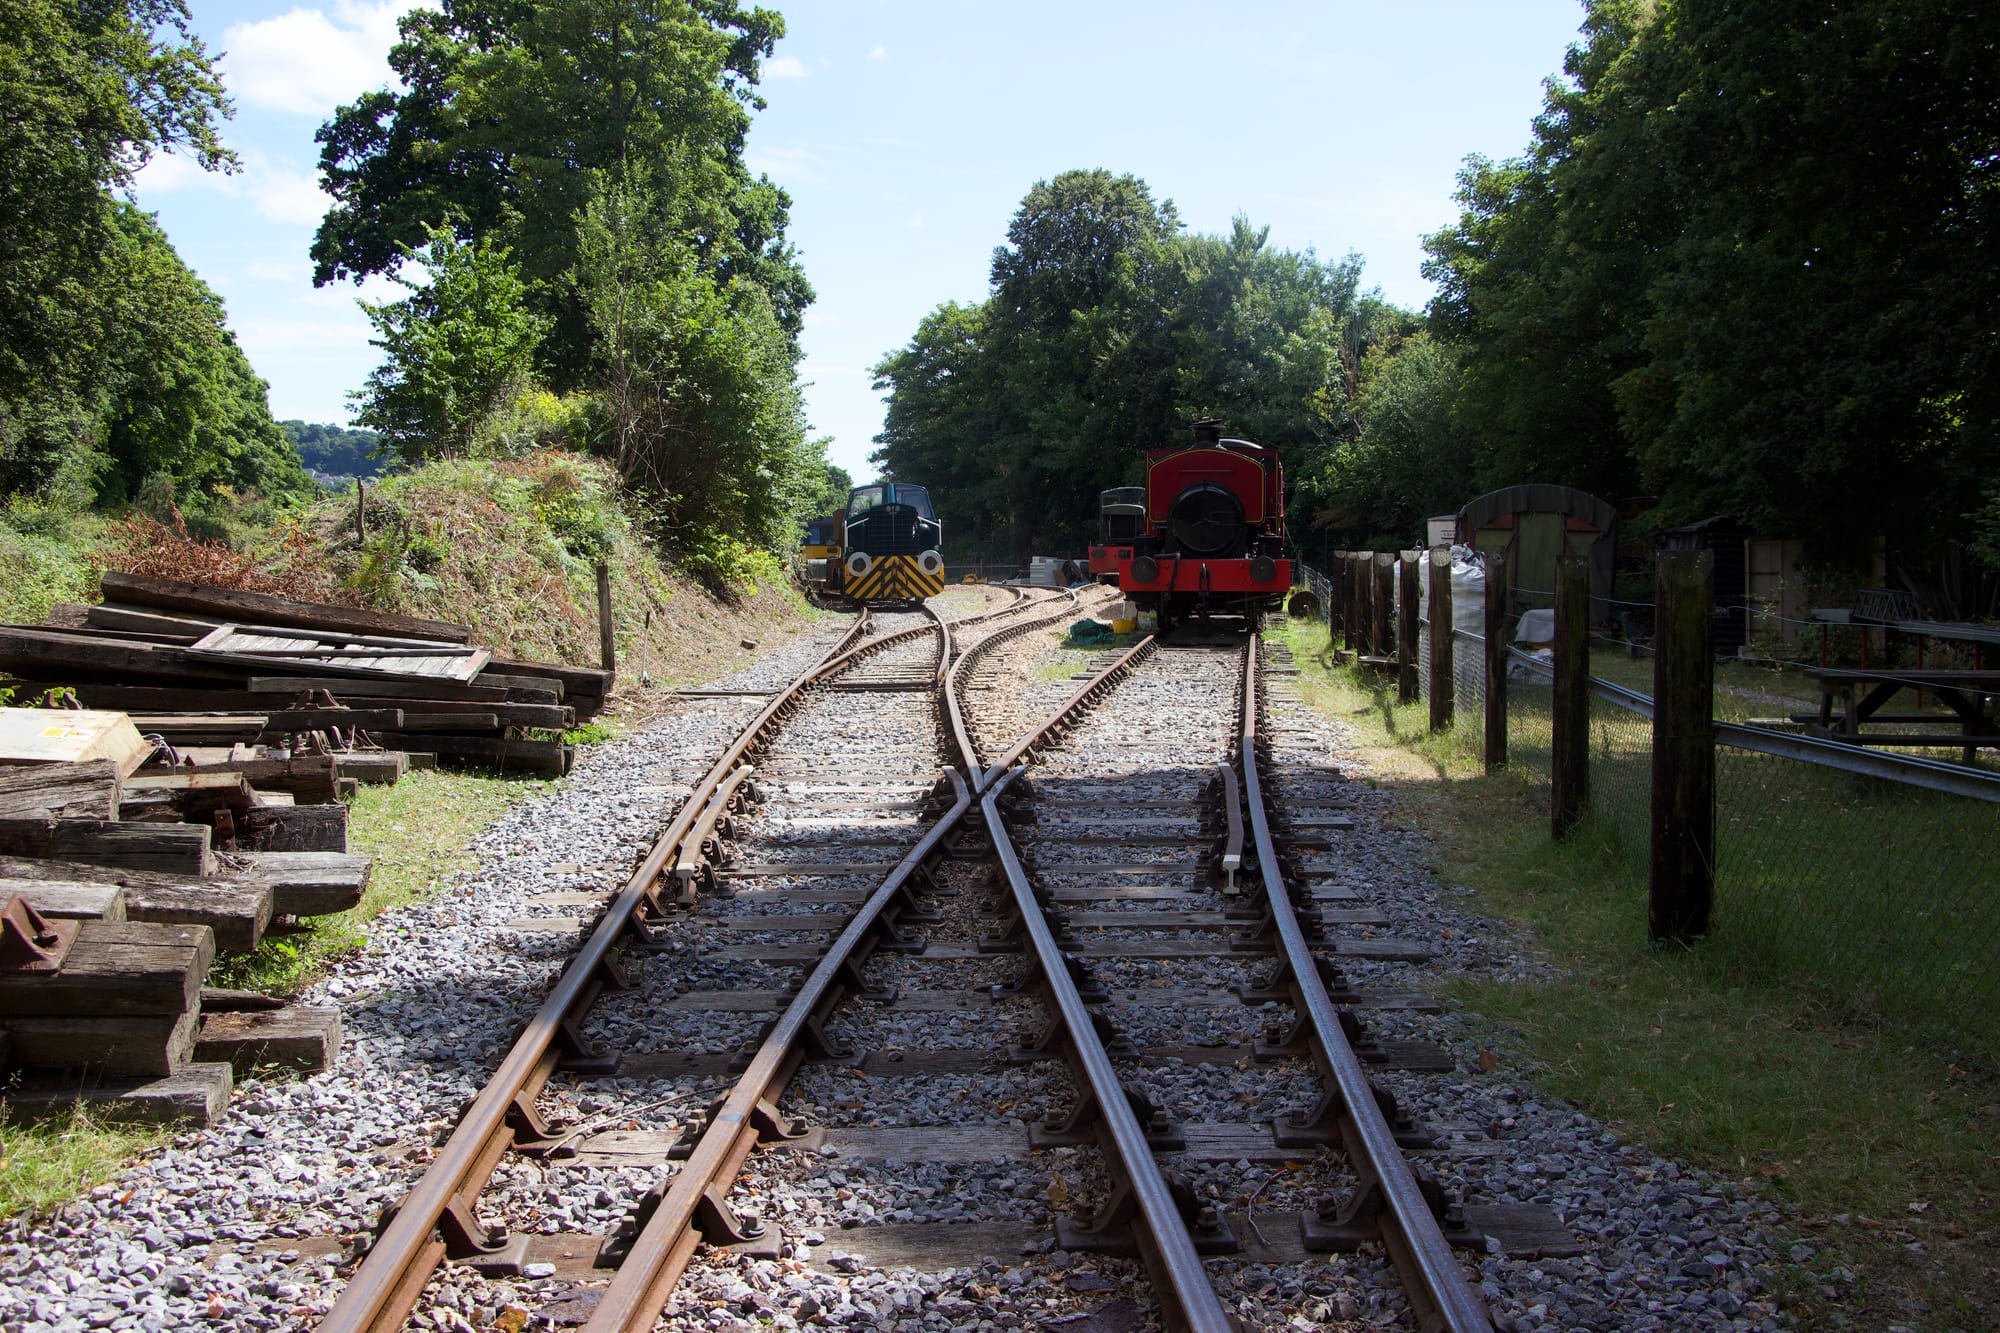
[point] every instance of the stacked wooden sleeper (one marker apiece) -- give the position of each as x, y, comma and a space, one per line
112, 923
214, 668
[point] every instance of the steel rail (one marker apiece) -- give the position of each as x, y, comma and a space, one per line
669, 1238
961, 732
1175, 1265
390, 1279
671, 1235
1431, 1275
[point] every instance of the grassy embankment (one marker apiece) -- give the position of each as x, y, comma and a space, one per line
1880, 1148
508, 548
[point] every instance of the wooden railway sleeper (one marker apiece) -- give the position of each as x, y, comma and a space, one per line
719, 1224
1277, 988
770, 1123
1347, 1222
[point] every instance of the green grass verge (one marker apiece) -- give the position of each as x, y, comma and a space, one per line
418, 831
44, 1166
1881, 1147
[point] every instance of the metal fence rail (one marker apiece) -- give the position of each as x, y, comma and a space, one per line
1870, 875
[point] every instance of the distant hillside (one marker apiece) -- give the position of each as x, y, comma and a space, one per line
334, 451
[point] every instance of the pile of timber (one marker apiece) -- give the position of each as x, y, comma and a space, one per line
252, 675
118, 892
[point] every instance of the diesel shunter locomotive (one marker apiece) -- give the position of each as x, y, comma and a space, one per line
894, 544
1206, 534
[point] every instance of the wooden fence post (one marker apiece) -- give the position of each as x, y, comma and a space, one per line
1569, 751
1342, 598
1365, 587
1382, 573
1406, 628
1441, 686
360, 514
1682, 883
606, 639
1496, 660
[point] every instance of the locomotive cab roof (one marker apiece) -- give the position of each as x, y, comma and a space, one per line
883, 493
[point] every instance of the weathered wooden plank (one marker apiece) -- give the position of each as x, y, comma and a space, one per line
86, 790
139, 1044
340, 687
117, 967
181, 849
196, 1094
589, 681
37, 652
551, 757
238, 913
181, 630
383, 768
67, 900
301, 883
307, 883
235, 604
297, 1036
308, 777
296, 828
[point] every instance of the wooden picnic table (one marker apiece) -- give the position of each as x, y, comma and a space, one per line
1850, 699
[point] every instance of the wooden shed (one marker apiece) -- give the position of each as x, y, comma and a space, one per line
1535, 524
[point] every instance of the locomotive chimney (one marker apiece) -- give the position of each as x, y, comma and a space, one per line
1208, 430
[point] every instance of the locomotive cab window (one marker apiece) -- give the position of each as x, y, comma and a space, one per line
864, 498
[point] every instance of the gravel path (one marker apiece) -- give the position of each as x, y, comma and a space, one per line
214, 1232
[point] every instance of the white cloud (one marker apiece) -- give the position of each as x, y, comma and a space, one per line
275, 335
278, 191
878, 52
917, 223
306, 62
785, 67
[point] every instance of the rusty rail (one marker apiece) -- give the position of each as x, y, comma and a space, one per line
669, 1237
1388, 1195
438, 1212
1161, 1232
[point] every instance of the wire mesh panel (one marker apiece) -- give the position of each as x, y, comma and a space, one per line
1882, 894
1530, 729
1621, 776
1468, 675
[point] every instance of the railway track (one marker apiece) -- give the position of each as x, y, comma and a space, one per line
1090, 883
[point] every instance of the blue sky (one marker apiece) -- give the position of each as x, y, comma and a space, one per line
907, 135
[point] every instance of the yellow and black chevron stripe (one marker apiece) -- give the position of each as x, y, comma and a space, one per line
894, 578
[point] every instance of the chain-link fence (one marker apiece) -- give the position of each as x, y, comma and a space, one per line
1621, 771
1880, 894
1869, 876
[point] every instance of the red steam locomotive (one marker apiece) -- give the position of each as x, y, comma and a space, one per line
1206, 534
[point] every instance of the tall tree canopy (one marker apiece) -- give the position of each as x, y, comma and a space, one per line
1109, 330
515, 115
584, 161
114, 361
1747, 265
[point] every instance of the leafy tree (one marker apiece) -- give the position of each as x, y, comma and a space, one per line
704, 409
454, 349
1746, 265
336, 451
181, 399
510, 114
1107, 331
833, 493
1411, 456
90, 92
